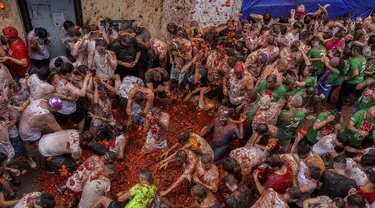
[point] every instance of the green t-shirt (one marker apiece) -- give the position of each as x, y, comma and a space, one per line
360, 65
317, 52
359, 123
277, 94
310, 81
141, 195
289, 121
366, 100
251, 110
312, 134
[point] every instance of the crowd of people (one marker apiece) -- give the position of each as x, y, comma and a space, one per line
278, 133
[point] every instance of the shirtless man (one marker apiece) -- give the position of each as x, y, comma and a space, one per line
155, 130
191, 142
134, 107
37, 116
207, 174
238, 81
201, 102
223, 131
189, 160
58, 145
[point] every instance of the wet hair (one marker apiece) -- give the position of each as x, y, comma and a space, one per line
358, 35
146, 175
41, 32
356, 200
46, 200
170, 26
206, 159
43, 73
181, 154
358, 50
77, 33
151, 53
371, 177
298, 25
283, 29
368, 159
347, 15
199, 191
262, 128
14, 85
311, 91
68, 24
294, 193
339, 202
343, 139
371, 39
231, 180
290, 82
101, 42
58, 62
358, 27
111, 169
272, 77
340, 161
315, 172
107, 20
229, 165
252, 95
327, 35
82, 69
103, 88
274, 161
239, 46
315, 39
139, 97
3, 158
112, 156
284, 19
267, 17
308, 19
66, 68
183, 138
231, 61
303, 148
305, 34
338, 35
155, 111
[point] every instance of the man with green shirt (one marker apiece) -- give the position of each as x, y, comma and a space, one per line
309, 78
139, 196
361, 124
367, 98
290, 87
317, 51
270, 86
252, 105
323, 126
354, 76
289, 121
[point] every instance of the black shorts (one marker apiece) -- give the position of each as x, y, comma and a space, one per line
75, 117
114, 204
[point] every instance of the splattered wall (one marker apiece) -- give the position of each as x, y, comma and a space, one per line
10, 16
149, 12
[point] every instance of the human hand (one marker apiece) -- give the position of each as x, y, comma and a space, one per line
331, 118
362, 133
292, 11
4, 58
369, 81
352, 191
15, 171
160, 88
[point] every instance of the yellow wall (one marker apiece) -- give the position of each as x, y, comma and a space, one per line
148, 12
11, 17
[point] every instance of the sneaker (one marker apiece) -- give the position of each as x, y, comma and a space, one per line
61, 189
31, 163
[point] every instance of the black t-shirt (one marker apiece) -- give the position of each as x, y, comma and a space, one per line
335, 185
126, 53
240, 198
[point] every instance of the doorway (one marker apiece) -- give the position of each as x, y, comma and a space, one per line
51, 14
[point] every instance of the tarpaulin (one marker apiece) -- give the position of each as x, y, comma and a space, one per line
282, 7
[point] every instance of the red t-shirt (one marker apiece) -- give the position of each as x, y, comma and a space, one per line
370, 197
18, 50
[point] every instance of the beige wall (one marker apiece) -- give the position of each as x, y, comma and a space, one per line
149, 12
11, 17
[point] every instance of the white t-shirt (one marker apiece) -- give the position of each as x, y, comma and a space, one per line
42, 49
59, 143
354, 172
128, 83
93, 189
120, 140
325, 145
38, 88
102, 66
23, 202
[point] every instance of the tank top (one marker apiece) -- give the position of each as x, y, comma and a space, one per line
28, 133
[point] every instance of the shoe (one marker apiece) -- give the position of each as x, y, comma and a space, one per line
31, 163
61, 189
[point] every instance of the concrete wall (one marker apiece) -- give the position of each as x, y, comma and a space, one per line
149, 12
11, 17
